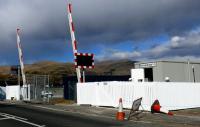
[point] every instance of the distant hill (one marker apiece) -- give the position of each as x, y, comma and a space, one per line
53, 68
114, 67
56, 70
4, 69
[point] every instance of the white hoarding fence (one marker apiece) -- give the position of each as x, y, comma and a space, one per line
13, 92
172, 95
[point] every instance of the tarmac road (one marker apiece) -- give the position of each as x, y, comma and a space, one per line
24, 116
30, 115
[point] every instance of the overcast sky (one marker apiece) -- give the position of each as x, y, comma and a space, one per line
112, 29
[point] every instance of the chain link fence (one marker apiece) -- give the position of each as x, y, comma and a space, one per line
39, 86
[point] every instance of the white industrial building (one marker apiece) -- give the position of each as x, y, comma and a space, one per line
163, 70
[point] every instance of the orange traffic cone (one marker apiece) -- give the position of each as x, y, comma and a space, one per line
120, 114
156, 108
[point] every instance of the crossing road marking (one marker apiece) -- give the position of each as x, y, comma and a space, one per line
4, 118
17, 118
11, 116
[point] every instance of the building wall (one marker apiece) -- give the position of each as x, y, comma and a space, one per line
176, 71
158, 72
197, 72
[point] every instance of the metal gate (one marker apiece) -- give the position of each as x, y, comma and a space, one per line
70, 90
39, 84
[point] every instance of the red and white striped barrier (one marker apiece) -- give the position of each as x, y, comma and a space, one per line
72, 29
74, 42
75, 50
25, 92
21, 57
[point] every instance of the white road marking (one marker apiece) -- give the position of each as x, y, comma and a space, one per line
9, 115
30, 123
148, 122
62, 110
4, 118
20, 119
50, 108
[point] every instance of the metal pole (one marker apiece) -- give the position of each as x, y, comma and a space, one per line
83, 75
189, 70
48, 87
18, 74
45, 96
44, 82
48, 80
193, 73
35, 86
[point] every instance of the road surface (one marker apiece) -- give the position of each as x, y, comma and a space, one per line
29, 116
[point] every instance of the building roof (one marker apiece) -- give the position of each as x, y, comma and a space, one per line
171, 61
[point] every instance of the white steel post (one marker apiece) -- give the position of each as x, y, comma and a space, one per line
18, 75
188, 62
83, 75
74, 42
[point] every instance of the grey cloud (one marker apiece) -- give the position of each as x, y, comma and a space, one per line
186, 46
43, 30
44, 23
133, 20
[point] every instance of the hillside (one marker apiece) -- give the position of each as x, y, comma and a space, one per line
114, 67
101, 68
52, 68
4, 69
56, 70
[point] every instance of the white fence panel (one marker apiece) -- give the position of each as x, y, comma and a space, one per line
86, 94
13, 92
172, 95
